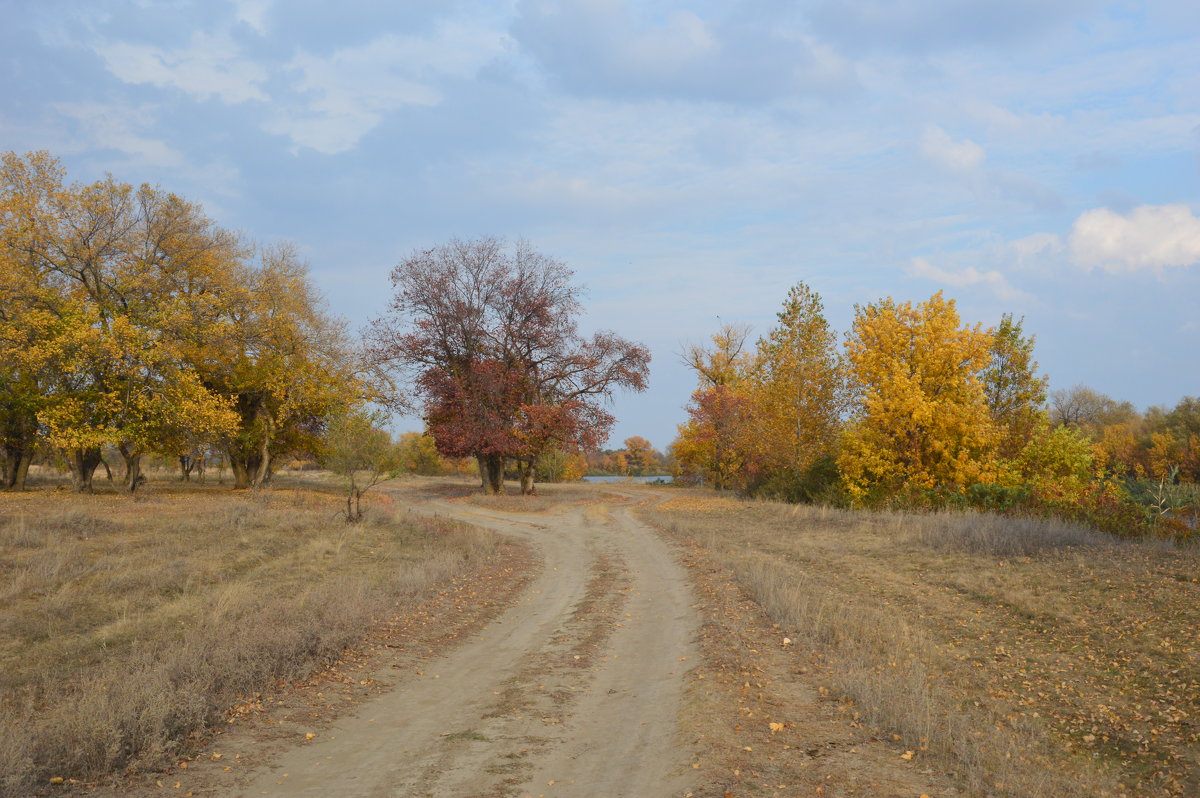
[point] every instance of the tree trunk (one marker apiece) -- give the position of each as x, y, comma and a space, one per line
494, 468
16, 452
483, 472
14, 463
133, 466
525, 469
244, 467
186, 463
262, 475
83, 464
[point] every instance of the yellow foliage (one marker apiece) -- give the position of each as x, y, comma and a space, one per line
922, 418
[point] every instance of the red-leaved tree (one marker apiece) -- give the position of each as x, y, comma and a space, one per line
487, 337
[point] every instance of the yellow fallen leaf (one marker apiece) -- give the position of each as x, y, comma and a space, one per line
56, 780
747, 748
775, 727
907, 755
309, 736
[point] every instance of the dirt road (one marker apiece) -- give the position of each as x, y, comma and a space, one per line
575, 691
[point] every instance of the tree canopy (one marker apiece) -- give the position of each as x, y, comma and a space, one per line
130, 321
486, 336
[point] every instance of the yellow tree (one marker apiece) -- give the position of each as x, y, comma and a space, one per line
1016, 394
922, 418
711, 444
286, 364
796, 399
29, 306
104, 252
639, 455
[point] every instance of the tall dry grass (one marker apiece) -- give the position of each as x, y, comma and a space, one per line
128, 627
1027, 656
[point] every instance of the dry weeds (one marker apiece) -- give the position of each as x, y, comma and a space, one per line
1024, 657
128, 627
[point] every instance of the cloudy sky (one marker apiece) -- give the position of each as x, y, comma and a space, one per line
690, 160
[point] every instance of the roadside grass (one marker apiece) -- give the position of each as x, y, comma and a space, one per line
1025, 657
129, 626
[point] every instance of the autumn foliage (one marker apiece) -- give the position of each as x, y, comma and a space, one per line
486, 337
131, 323
916, 408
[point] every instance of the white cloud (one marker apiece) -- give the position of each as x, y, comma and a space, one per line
923, 269
1149, 238
1036, 250
253, 13
622, 49
115, 128
350, 90
210, 66
939, 148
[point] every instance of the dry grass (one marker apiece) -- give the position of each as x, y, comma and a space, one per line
129, 626
1025, 657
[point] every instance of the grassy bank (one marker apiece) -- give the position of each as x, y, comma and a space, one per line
1023, 657
129, 626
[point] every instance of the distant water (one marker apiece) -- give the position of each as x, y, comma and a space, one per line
639, 480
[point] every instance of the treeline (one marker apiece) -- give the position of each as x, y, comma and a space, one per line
914, 408
637, 458
130, 322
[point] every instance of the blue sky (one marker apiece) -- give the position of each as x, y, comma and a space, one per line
690, 161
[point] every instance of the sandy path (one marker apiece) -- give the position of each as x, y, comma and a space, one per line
575, 691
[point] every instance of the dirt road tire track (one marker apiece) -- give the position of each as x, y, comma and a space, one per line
576, 691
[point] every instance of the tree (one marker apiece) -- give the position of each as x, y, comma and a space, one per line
1082, 407
797, 397
725, 362
361, 453
418, 455
87, 332
487, 337
1015, 394
285, 362
639, 455
922, 419
709, 445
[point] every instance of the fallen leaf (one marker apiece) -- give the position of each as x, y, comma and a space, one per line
775, 727
907, 755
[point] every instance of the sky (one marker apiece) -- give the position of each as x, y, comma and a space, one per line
689, 160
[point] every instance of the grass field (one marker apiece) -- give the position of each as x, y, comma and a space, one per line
130, 625
1020, 657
